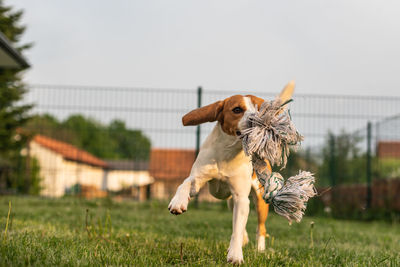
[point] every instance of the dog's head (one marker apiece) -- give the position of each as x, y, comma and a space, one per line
231, 111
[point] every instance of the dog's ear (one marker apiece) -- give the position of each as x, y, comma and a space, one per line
204, 114
287, 92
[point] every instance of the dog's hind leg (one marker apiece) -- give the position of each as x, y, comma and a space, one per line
229, 202
262, 213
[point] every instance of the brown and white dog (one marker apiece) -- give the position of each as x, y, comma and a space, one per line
227, 170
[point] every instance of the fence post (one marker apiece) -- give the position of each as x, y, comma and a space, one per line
369, 166
332, 163
198, 136
199, 95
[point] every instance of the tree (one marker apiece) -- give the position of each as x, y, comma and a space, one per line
342, 160
12, 114
131, 144
91, 136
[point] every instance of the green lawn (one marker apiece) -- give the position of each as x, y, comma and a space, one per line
54, 232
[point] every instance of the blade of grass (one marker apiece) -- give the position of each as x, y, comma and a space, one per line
8, 219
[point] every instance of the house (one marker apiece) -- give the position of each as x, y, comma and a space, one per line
128, 177
388, 149
63, 167
170, 167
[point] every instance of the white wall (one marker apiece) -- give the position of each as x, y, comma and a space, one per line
119, 179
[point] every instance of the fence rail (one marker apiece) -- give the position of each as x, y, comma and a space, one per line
339, 147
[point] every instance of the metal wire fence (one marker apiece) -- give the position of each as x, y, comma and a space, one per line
338, 146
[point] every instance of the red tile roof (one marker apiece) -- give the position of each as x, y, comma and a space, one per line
388, 149
171, 164
68, 151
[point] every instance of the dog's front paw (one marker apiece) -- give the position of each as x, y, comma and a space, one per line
178, 204
235, 257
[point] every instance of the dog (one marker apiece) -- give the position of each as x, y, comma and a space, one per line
222, 164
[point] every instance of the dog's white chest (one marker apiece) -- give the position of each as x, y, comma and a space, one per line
222, 156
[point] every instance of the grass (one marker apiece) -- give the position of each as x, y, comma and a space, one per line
71, 232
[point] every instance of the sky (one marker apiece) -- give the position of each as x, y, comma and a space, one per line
328, 47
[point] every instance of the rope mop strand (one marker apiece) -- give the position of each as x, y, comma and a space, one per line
268, 135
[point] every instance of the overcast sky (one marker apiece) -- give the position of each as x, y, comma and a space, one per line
329, 47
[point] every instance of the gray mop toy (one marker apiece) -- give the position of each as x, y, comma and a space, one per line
268, 135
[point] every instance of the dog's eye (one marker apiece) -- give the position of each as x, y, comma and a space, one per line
237, 110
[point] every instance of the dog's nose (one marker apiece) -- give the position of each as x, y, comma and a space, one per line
238, 133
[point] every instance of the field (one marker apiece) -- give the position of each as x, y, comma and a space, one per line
103, 232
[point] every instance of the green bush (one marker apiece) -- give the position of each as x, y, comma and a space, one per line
24, 176
387, 168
